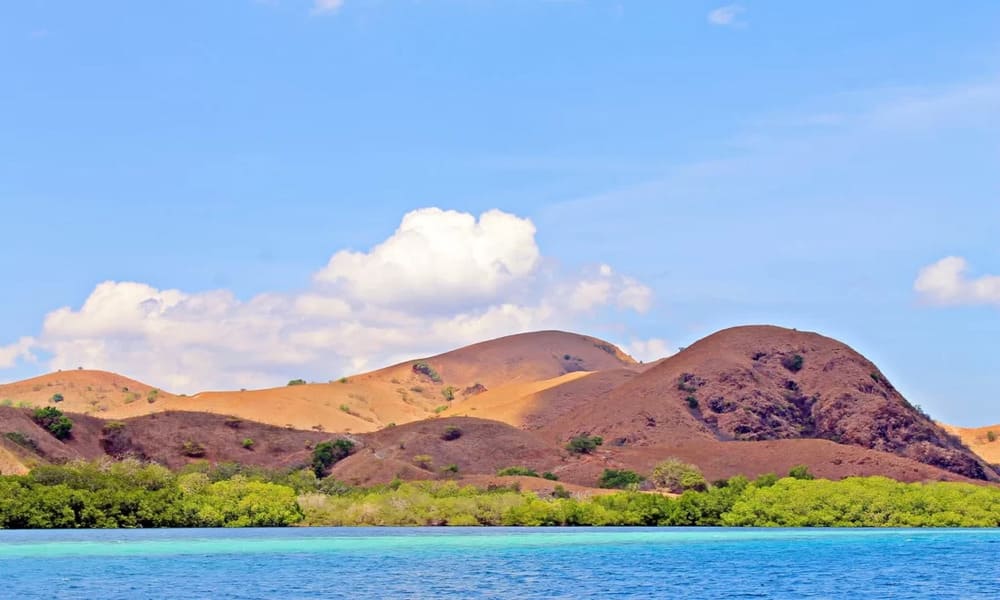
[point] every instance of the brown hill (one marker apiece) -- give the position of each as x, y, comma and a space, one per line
751, 383
984, 441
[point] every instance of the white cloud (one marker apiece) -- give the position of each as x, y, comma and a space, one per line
327, 7
439, 258
442, 280
649, 350
947, 282
726, 16
19, 350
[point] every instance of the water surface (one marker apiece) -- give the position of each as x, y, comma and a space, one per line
500, 563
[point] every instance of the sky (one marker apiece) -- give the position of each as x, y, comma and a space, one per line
234, 193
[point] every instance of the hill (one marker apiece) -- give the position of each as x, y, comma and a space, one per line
984, 441
746, 400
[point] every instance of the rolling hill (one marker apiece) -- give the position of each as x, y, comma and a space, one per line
746, 400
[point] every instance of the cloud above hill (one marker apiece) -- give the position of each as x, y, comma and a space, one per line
947, 282
442, 279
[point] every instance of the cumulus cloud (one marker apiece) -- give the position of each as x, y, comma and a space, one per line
439, 258
327, 7
726, 16
649, 350
441, 280
947, 282
19, 350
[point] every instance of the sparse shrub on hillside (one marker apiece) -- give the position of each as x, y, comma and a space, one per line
550, 476
424, 461
22, 440
678, 476
692, 402
517, 471
766, 480
793, 363
560, 492
343, 380
584, 444
448, 393
7, 402
686, 383
449, 470
56, 398
326, 454
248, 443
152, 396
115, 440
52, 419
991, 436
424, 368
297, 382
800, 472
451, 433
619, 479
440, 409
192, 449
345, 408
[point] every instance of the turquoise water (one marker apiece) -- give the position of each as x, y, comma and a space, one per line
500, 563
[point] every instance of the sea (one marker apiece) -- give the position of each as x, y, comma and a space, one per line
501, 563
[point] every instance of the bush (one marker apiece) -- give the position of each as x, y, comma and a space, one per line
550, 476
326, 454
448, 470
297, 382
448, 393
192, 449
424, 368
451, 433
584, 444
22, 440
692, 402
248, 443
517, 471
56, 398
793, 363
560, 492
424, 461
800, 472
677, 476
440, 409
152, 395
52, 419
618, 479
991, 436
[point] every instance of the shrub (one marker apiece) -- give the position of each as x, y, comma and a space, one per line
451, 469
52, 419
550, 476
800, 472
297, 382
440, 409
326, 454
152, 395
22, 440
448, 393
424, 368
345, 408
517, 471
685, 383
424, 461
192, 449
793, 363
677, 476
991, 436
56, 398
451, 433
692, 402
248, 443
560, 492
115, 440
584, 444
343, 380
618, 479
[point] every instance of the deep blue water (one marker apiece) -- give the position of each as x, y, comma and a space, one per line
500, 563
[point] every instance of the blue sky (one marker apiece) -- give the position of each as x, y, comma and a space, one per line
671, 168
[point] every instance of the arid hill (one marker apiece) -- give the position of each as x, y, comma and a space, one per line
984, 441
747, 400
